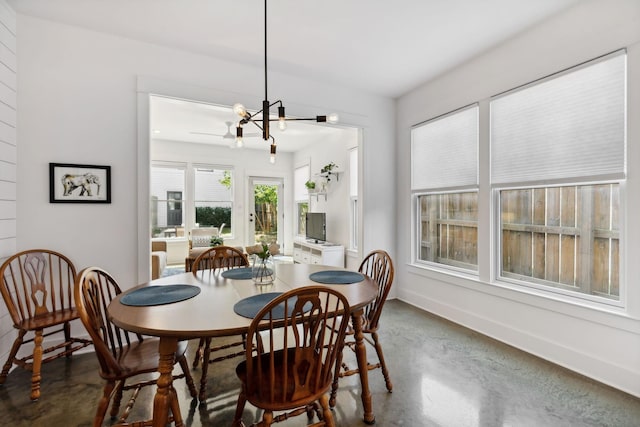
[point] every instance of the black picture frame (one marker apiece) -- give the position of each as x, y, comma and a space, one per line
71, 183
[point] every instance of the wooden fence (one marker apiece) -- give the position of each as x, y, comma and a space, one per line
563, 236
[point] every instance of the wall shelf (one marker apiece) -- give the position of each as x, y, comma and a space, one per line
323, 184
317, 194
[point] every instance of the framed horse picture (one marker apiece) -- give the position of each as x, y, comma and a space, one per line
70, 183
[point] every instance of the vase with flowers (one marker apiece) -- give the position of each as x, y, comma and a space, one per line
262, 270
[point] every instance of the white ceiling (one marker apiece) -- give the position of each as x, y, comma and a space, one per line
378, 46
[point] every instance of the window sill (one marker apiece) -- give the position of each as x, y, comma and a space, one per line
605, 314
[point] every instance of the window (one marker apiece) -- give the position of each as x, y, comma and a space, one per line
167, 190
353, 198
213, 197
449, 229
179, 204
301, 198
444, 180
557, 164
565, 237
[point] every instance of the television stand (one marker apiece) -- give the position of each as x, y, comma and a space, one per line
326, 253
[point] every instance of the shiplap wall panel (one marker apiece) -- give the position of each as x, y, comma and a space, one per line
8, 19
8, 76
8, 152
7, 173
8, 57
7, 134
8, 156
7, 113
7, 210
7, 228
8, 190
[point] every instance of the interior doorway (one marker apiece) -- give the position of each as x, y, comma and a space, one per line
266, 210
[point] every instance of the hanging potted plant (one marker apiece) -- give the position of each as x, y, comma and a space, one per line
327, 170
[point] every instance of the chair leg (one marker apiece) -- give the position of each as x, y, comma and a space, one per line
117, 397
242, 400
204, 369
326, 411
198, 355
12, 355
101, 410
336, 377
267, 419
187, 376
67, 338
383, 365
37, 365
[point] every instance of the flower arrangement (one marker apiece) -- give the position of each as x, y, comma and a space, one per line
264, 254
262, 271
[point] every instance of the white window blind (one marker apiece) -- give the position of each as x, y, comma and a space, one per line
444, 151
208, 185
300, 176
166, 178
353, 172
570, 126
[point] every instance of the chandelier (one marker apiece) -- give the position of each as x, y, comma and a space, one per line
262, 118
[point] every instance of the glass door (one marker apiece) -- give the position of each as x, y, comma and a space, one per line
265, 210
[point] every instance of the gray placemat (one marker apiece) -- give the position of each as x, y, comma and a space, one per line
159, 295
237, 273
336, 277
250, 306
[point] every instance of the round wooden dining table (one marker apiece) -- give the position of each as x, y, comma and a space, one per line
211, 314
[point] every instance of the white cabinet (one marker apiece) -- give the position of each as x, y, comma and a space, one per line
318, 253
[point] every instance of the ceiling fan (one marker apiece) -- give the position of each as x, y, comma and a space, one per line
227, 134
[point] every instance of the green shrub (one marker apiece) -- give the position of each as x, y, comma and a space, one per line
207, 216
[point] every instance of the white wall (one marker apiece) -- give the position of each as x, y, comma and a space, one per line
602, 344
336, 203
8, 158
84, 99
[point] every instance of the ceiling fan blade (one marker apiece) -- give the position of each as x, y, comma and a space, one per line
206, 133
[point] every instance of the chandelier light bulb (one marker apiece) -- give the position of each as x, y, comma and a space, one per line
333, 118
272, 156
282, 118
239, 142
240, 110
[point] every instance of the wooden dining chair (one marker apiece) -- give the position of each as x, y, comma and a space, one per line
299, 336
122, 355
37, 288
217, 258
379, 267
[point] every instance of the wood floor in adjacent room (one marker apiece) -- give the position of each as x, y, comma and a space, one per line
443, 375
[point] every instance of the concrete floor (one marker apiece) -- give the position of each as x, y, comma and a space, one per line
443, 375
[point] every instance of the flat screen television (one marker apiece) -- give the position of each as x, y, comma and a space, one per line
316, 226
